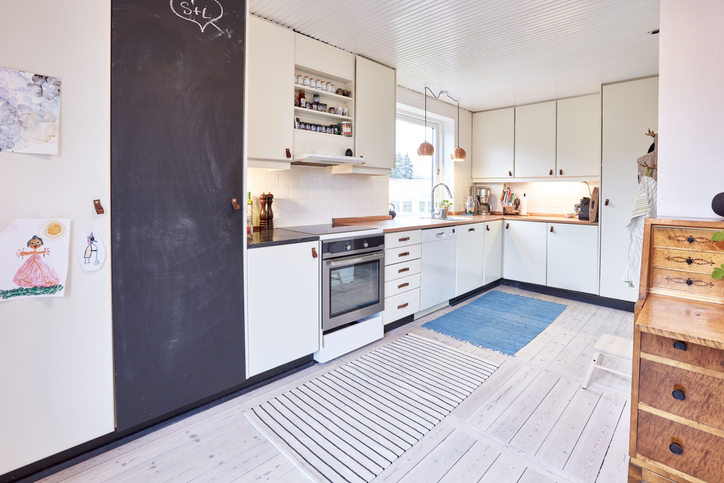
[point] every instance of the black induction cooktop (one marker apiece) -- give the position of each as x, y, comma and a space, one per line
325, 229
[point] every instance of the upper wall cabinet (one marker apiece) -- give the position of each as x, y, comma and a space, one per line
323, 58
494, 143
270, 63
375, 110
535, 140
579, 136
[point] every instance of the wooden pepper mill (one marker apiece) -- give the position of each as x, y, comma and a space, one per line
266, 216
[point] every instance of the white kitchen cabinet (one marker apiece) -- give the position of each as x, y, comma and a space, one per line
283, 305
524, 251
535, 140
573, 257
270, 66
494, 144
322, 58
470, 258
579, 136
403, 269
493, 252
375, 113
629, 109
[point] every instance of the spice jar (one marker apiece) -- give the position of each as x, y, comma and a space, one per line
318, 84
316, 97
301, 98
346, 128
330, 87
300, 80
307, 82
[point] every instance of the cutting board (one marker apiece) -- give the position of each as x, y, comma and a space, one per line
593, 208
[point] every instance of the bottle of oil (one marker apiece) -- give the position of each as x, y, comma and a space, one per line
249, 215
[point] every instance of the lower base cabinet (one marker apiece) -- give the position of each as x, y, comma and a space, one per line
283, 321
493, 252
573, 257
524, 251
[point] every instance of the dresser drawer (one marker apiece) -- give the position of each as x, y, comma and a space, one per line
687, 238
694, 354
400, 270
402, 254
702, 453
403, 238
700, 397
699, 262
401, 306
688, 283
401, 285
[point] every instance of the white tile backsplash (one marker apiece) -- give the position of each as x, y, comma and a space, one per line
307, 195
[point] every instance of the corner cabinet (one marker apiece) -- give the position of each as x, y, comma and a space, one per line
573, 257
281, 331
494, 143
270, 66
375, 109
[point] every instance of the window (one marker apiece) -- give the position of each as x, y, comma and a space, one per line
412, 179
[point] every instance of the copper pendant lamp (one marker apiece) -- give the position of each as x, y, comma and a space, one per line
458, 153
426, 149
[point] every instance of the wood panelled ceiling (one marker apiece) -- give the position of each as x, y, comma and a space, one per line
489, 53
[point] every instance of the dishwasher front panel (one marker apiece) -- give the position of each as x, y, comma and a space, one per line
439, 253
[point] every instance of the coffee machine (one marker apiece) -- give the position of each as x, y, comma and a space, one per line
481, 195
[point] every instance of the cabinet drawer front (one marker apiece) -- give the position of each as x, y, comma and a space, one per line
687, 238
703, 453
700, 397
401, 285
400, 270
689, 283
403, 238
694, 354
401, 306
686, 260
402, 254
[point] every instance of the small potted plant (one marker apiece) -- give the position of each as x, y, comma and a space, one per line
718, 272
444, 205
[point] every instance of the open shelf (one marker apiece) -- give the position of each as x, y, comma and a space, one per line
321, 92
323, 134
311, 112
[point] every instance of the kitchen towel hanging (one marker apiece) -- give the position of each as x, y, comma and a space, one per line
644, 207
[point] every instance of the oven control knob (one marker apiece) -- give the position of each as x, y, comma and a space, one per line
365, 244
348, 247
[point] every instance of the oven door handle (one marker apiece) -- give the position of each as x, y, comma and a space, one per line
350, 261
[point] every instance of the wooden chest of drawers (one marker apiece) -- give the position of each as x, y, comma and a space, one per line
677, 410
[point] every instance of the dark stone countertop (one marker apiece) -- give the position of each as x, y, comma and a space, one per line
277, 236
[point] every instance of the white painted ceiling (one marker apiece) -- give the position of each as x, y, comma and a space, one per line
489, 53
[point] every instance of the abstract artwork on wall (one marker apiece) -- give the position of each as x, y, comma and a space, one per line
29, 112
34, 258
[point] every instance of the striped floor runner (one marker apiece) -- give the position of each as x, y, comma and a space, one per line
351, 423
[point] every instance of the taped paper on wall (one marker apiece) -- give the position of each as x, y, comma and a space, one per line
34, 258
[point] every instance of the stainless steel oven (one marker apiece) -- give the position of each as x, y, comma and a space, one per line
353, 279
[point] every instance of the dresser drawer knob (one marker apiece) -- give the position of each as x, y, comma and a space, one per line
678, 394
689, 281
680, 345
676, 449
690, 239
689, 261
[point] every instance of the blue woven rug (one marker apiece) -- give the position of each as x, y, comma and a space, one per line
500, 321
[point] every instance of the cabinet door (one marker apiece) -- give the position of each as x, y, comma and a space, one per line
493, 252
493, 143
579, 136
573, 257
278, 333
270, 103
471, 258
322, 58
524, 251
629, 109
375, 113
535, 140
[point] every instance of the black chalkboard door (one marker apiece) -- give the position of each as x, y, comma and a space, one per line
176, 162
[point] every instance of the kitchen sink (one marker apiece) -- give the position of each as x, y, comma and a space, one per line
449, 218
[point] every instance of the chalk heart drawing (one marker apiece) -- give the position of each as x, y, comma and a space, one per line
201, 12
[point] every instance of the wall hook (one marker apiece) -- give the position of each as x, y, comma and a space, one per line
99, 208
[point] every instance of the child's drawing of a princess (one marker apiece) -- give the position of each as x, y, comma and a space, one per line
34, 272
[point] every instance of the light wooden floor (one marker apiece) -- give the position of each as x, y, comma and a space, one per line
530, 422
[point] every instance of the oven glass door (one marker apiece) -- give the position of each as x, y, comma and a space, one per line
353, 289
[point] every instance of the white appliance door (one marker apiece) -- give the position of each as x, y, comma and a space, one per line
438, 271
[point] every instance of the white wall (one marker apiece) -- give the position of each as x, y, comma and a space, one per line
691, 107
544, 197
56, 367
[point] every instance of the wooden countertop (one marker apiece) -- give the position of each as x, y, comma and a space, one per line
403, 223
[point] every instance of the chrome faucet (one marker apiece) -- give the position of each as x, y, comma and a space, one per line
437, 213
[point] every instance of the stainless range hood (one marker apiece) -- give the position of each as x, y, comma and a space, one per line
314, 159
